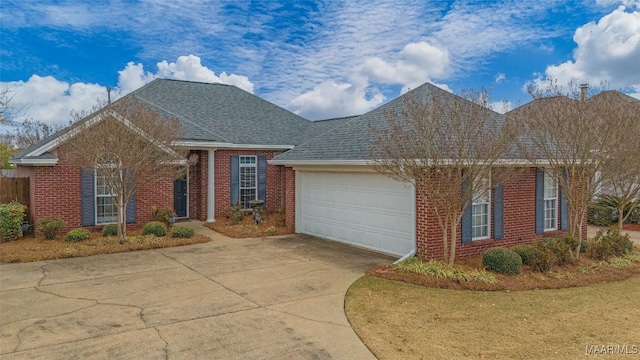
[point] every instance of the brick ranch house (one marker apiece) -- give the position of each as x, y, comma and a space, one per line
319, 172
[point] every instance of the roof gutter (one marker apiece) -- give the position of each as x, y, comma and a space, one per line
321, 162
34, 162
224, 145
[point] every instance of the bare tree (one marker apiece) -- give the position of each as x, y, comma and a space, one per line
30, 132
578, 141
450, 148
127, 143
621, 188
7, 107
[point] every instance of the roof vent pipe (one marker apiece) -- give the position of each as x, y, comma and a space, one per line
108, 95
583, 91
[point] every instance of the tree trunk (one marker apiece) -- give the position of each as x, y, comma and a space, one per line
621, 218
452, 253
122, 213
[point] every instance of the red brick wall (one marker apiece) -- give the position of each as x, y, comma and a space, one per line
55, 193
290, 199
519, 222
222, 168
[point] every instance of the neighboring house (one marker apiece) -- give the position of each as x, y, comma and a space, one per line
319, 172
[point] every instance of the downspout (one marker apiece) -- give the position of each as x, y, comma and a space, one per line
412, 253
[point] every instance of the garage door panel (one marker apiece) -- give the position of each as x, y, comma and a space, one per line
363, 209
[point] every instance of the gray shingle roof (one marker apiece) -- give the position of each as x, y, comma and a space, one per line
220, 113
354, 140
224, 113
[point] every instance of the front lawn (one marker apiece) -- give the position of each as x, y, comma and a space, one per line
397, 320
29, 249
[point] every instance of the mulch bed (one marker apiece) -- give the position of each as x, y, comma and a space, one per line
28, 249
631, 227
247, 227
561, 277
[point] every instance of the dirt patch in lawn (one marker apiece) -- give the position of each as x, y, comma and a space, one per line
586, 272
403, 321
247, 228
29, 249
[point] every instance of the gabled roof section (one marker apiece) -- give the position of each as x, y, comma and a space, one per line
223, 113
353, 142
208, 113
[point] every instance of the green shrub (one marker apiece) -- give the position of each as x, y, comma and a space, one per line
110, 230
235, 213
613, 202
609, 243
561, 247
600, 216
50, 228
543, 259
526, 253
79, 234
156, 228
162, 214
11, 216
501, 260
181, 232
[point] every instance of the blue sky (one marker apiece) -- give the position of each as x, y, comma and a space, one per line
318, 59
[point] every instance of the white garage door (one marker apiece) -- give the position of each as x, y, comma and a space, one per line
363, 209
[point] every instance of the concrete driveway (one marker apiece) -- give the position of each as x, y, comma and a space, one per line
276, 298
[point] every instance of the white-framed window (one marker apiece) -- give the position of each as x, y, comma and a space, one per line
480, 217
550, 202
106, 208
248, 180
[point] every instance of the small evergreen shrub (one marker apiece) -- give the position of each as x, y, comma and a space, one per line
601, 216
181, 232
156, 228
609, 243
79, 234
526, 253
235, 213
110, 230
162, 214
501, 260
543, 259
561, 247
50, 228
11, 216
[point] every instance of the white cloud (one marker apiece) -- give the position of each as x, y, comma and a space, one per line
421, 62
331, 99
500, 78
607, 51
190, 68
51, 101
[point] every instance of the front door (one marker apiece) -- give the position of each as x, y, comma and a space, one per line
180, 196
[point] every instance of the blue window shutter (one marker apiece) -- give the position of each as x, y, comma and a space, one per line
131, 205
235, 179
539, 201
87, 197
262, 178
131, 209
466, 218
498, 212
564, 206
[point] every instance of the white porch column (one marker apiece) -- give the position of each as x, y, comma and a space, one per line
211, 199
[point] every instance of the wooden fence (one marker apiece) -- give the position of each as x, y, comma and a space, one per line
16, 189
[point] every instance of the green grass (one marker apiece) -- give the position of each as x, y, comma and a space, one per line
442, 270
